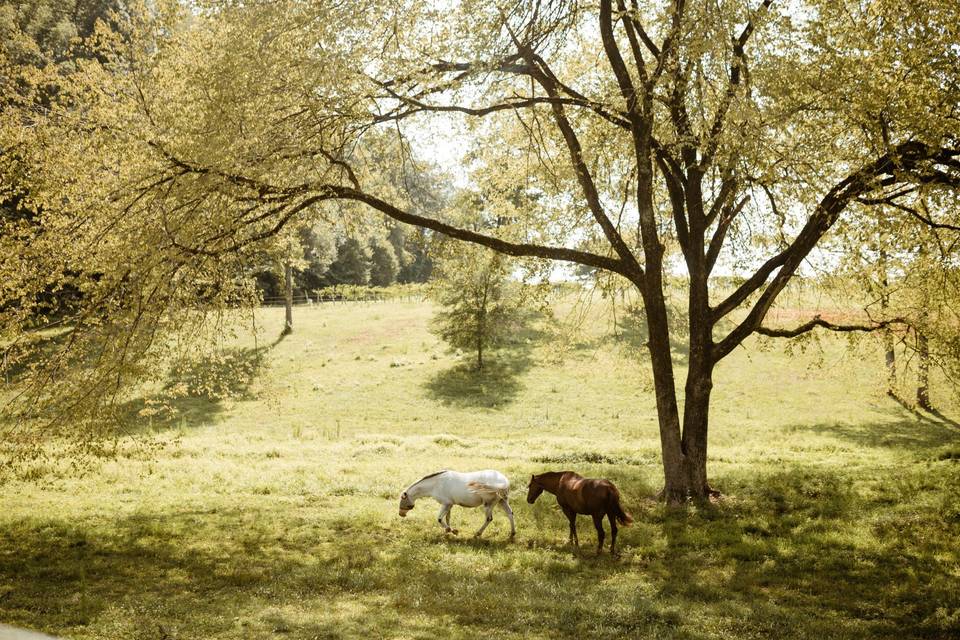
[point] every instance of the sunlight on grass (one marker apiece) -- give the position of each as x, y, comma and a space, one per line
275, 514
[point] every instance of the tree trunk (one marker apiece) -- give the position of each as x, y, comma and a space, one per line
891, 361
923, 372
288, 298
889, 355
482, 323
696, 420
676, 488
696, 403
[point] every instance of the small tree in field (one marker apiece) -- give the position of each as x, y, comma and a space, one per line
481, 307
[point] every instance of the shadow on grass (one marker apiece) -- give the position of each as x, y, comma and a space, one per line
496, 384
798, 554
919, 436
196, 389
932, 415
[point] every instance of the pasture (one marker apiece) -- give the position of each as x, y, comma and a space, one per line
273, 513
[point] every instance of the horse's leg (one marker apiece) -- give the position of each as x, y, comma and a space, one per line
572, 517
598, 523
445, 513
613, 533
507, 510
447, 520
489, 510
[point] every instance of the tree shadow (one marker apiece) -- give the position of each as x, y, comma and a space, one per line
797, 554
494, 386
933, 415
793, 541
919, 436
497, 383
196, 389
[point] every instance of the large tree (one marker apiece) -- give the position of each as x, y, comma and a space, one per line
657, 137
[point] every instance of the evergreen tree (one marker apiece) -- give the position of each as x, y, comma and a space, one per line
319, 253
352, 265
383, 263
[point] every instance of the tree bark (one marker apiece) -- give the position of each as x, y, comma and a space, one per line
923, 372
676, 487
699, 385
288, 298
696, 419
890, 357
696, 405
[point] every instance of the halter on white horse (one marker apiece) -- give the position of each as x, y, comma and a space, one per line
488, 488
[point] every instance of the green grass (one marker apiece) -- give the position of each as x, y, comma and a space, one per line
273, 514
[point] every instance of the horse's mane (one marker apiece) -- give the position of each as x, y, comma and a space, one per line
553, 474
426, 478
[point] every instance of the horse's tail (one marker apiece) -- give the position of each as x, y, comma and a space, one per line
616, 509
489, 491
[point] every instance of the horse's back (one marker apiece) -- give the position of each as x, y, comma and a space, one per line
587, 495
486, 477
473, 488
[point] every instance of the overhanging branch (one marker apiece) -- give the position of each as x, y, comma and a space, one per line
895, 166
818, 321
497, 244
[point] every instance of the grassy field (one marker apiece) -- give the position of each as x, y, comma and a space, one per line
274, 514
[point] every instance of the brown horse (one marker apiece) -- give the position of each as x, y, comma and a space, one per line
576, 494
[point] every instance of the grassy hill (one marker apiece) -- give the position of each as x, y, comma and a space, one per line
273, 513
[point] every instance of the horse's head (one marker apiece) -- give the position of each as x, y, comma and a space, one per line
406, 504
534, 489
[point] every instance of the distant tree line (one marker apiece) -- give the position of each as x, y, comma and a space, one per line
322, 258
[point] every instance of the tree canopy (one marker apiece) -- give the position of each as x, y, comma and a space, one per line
653, 138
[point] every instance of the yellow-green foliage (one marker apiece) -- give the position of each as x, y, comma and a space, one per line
272, 513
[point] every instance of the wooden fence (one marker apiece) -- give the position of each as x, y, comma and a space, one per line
330, 295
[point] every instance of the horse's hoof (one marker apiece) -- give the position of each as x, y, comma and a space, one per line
455, 532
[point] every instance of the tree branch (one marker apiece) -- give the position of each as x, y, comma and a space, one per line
592, 196
910, 210
736, 71
575, 97
898, 162
620, 72
648, 43
716, 242
818, 321
634, 44
510, 248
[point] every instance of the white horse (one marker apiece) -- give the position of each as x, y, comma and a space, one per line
488, 488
